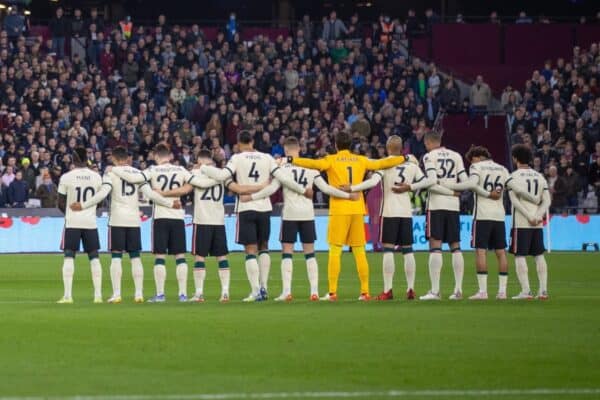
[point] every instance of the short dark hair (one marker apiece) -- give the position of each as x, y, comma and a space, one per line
80, 155
204, 153
477, 151
521, 153
291, 141
162, 150
120, 153
245, 137
433, 136
343, 140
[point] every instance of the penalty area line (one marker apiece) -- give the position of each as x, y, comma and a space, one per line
436, 393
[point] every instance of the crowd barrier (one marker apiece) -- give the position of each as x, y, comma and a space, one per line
43, 234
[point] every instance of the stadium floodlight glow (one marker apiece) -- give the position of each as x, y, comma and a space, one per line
2, 6
27, 12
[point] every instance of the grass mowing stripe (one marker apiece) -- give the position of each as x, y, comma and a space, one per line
324, 394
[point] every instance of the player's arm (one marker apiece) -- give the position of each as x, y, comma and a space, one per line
201, 182
367, 184
329, 190
266, 191
289, 182
219, 174
511, 184
244, 189
320, 164
514, 199
177, 192
544, 205
384, 163
61, 201
100, 195
157, 198
467, 183
132, 176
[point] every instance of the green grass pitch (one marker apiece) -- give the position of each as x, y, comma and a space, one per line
347, 349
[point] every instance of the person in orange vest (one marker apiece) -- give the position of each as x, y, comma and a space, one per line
386, 27
126, 27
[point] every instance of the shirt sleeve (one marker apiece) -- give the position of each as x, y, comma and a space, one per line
369, 183
321, 164
330, 190
267, 190
383, 163
62, 186
132, 175
218, 174
287, 181
101, 194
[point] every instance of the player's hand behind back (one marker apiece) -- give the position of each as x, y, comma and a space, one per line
76, 206
354, 196
177, 205
496, 194
346, 188
401, 188
308, 193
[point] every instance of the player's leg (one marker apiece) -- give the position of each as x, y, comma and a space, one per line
116, 272
482, 274
520, 246
69, 245
252, 271
133, 247
224, 277
308, 236
160, 243
410, 265
264, 259
388, 237
498, 242
177, 246
116, 244
312, 268
410, 268
337, 232
502, 273
201, 240
287, 254
388, 268
434, 233
452, 236
357, 240
91, 245
537, 249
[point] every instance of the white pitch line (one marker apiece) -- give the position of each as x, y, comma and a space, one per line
326, 394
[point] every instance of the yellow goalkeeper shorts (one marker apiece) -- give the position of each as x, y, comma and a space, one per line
346, 230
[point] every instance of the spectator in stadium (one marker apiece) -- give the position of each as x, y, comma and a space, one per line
333, 28
558, 189
29, 174
47, 192
59, 29
306, 27
494, 19
480, 95
8, 176
523, 18
232, 28
431, 18
18, 191
78, 34
14, 24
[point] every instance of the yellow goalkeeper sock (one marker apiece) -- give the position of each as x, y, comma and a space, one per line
362, 266
333, 266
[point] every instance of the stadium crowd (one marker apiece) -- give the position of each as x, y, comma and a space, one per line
99, 86
135, 86
557, 114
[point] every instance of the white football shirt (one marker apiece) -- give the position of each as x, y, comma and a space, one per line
79, 185
208, 201
490, 176
449, 168
531, 181
395, 205
167, 177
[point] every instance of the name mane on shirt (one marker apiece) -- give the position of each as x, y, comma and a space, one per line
346, 158
83, 177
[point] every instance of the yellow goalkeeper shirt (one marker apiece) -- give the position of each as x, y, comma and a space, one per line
346, 168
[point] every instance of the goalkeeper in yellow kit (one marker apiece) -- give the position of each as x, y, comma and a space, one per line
346, 217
